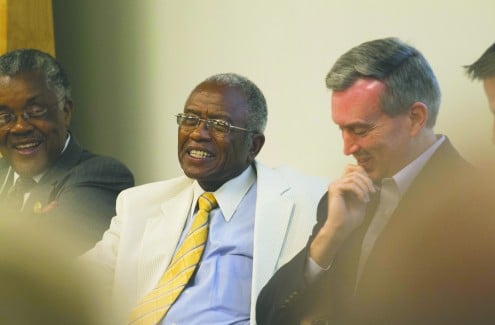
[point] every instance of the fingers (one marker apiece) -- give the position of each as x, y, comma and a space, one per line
354, 181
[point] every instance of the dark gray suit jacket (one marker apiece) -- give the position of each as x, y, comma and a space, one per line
84, 186
434, 263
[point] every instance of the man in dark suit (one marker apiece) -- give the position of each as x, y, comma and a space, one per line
403, 236
44, 174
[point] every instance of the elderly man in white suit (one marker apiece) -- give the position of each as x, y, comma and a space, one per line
263, 217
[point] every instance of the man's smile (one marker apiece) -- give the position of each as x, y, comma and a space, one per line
199, 154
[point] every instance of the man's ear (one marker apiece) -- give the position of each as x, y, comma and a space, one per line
67, 111
257, 142
418, 115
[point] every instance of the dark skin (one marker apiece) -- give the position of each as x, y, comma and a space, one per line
32, 146
213, 159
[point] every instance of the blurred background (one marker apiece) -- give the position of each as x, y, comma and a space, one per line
133, 64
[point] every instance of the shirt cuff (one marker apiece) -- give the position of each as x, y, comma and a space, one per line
314, 270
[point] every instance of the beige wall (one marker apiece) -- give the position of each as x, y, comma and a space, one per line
286, 47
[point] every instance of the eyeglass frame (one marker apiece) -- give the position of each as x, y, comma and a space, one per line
27, 116
209, 123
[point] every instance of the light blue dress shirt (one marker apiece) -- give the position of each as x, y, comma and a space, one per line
220, 291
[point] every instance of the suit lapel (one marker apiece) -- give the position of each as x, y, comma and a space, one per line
50, 184
417, 207
274, 207
418, 202
6, 178
161, 237
67, 160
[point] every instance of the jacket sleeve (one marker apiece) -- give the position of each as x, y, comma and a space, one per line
283, 299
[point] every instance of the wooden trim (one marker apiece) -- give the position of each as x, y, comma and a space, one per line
3, 26
27, 24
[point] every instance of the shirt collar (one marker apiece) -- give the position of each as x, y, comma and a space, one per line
406, 175
230, 194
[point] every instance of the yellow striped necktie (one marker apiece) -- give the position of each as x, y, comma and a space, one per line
156, 303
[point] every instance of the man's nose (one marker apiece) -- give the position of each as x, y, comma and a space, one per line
21, 123
201, 130
350, 143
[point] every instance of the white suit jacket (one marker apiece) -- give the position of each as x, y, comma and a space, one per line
141, 240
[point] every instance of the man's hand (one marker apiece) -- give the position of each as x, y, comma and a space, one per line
39, 208
347, 200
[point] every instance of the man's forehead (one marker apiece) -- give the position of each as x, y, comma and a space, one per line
205, 99
489, 84
359, 115
363, 88
359, 103
216, 95
34, 77
218, 88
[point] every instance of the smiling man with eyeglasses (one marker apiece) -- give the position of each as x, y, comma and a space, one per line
263, 215
68, 186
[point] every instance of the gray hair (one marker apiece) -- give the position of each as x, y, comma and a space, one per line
28, 60
484, 67
407, 76
256, 110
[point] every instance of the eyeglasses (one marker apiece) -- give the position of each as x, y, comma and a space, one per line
7, 119
191, 122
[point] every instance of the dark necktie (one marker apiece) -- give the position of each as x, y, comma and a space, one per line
16, 194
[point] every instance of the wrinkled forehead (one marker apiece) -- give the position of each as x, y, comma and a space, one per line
24, 86
28, 79
360, 101
229, 92
215, 97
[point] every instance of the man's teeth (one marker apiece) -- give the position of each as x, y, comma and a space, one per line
200, 154
26, 146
